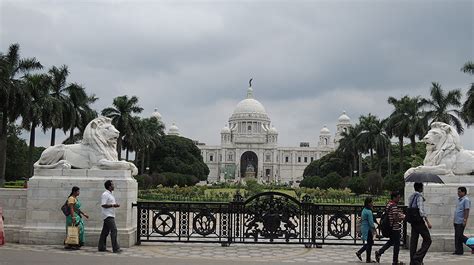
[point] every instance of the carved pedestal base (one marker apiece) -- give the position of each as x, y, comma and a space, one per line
48, 189
440, 205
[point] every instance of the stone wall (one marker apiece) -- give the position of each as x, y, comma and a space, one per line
33, 215
13, 202
440, 205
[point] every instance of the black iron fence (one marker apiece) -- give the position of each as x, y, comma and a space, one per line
269, 217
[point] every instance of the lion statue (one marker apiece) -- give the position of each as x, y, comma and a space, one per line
96, 151
444, 153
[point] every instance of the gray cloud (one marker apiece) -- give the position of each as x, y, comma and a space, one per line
192, 59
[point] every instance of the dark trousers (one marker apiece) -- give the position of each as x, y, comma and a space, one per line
459, 238
367, 246
395, 242
416, 257
109, 226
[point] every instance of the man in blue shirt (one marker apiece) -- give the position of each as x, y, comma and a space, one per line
460, 220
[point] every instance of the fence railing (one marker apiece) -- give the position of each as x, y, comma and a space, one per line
267, 218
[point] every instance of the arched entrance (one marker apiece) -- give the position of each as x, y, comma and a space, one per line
248, 165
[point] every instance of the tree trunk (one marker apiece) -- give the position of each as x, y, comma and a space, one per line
71, 136
360, 164
413, 145
354, 163
3, 148
143, 162
400, 142
53, 136
371, 159
126, 154
30, 149
119, 147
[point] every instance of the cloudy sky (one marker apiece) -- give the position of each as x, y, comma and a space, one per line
192, 60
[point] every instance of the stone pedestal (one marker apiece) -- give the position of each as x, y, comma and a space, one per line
48, 189
440, 205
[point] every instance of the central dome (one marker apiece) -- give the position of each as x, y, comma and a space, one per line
249, 106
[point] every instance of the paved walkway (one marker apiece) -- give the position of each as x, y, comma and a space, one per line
210, 254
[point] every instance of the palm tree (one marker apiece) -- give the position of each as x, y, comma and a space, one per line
407, 120
38, 110
468, 68
11, 94
78, 108
468, 106
121, 115
373, 138
59, 92
440, 104
348, 145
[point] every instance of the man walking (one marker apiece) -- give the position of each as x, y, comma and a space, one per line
419, 227
108, 214
460, 220
395, 217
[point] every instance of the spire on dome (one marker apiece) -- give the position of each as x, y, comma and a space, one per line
250, 90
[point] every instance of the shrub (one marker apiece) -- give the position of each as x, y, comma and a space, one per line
394, 182
357, 185
253, 187
311, 182
374, 182
332, 180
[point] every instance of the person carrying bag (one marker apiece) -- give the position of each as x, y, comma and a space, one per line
416, 216
74, 222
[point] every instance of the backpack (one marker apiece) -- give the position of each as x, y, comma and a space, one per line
65, 209
385, 227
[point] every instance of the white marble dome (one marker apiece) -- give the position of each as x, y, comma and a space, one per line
173, 130
273, 130
344, 118
325, 131
156, 114
250, 108
225, 129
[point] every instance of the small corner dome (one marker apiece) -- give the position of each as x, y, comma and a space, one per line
156, 114
173, 130
344, 118
325, 131
225, 129
273, 130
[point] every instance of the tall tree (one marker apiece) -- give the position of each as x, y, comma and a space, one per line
78, 103
468, 106
58, 78
407, 120
373, 138
37, 111
121, 115
443, 106
11, 94
348, 145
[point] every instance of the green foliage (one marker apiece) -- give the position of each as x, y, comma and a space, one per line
332, 162
332, 180
358, 185
394, 182
179, 155
253, 187
311, 182
374, 182
166, 179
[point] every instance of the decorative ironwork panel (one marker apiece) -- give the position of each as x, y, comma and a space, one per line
269, 217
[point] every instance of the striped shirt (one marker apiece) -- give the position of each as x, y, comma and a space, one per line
394, 215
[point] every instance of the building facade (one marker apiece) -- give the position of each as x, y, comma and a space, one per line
249, 148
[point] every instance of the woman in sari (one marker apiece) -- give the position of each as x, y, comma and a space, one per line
75, 216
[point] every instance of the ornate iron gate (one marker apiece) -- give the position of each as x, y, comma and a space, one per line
269, 217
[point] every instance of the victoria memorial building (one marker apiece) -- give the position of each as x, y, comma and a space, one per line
249, 147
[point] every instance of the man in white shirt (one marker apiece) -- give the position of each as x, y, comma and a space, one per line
108, 214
